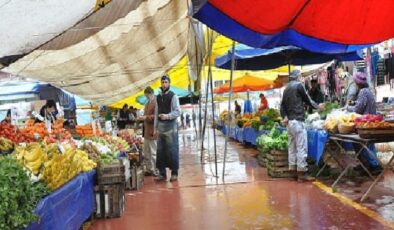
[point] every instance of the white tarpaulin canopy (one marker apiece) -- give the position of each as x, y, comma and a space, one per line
26, 24
118, 60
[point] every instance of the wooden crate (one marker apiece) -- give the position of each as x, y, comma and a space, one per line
116, 167
283, 163
137, 177
110, 200
108, 179
277, 158
281, 174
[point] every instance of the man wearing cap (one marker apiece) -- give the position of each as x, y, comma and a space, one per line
293, 111
150, 145
166, 113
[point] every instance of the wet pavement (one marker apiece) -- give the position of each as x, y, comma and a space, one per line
247, 198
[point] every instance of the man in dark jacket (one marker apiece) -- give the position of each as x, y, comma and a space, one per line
293, 112
166, 113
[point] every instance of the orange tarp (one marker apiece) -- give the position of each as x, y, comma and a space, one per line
249, 82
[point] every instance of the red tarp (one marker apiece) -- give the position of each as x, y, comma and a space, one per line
342, 21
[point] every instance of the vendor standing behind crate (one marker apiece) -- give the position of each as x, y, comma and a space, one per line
293, 113
150, 143
166, 113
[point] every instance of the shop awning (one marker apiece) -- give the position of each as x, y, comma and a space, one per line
119, 60
249, 83
343, 22
248, 58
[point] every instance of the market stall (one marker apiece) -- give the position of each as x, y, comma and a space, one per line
64, 167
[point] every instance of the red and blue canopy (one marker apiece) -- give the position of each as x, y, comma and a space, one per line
308, 24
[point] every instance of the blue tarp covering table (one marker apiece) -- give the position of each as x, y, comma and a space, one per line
250, 135
68, 207
316, 142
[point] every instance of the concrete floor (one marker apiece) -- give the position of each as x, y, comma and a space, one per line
247, 198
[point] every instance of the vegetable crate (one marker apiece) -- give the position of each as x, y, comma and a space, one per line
137, 177
110, 200
262, 157
278, 165
113, 173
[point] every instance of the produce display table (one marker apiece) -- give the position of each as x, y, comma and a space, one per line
354, 138
69, 206
249, 135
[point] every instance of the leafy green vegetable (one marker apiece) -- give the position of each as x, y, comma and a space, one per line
240, 123
272, 114
328, 107
256, 125
274, 140
18, 195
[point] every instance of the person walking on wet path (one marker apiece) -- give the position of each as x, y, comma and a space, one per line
166, 113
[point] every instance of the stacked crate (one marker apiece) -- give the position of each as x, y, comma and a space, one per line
262, 157
110, 191
278, 164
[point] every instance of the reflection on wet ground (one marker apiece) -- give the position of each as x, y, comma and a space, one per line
246, 198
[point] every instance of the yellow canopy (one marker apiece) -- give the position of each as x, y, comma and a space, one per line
179, 73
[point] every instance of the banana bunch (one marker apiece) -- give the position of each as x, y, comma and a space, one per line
331, 125
63, 167
5, 145
347, 120
32, 157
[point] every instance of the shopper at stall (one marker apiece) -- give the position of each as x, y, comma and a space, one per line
263, 103
7, 118
166, 113
47, 112
123, 117
150, 143
364, 104
237, 108
293, 112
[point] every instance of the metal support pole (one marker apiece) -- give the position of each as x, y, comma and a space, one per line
229, 106
213, 119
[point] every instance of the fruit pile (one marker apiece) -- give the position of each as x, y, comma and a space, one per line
6, 145
92, 151
345, 120
35, 130
368, 118
84, 130
32, 157
12, 133
61, 168
130, 139
47, 163
376, 125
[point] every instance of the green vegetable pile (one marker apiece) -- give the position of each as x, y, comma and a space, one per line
272, 114
328, 107
18, 195
270, 124
240, 123
256, 125
275, 140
